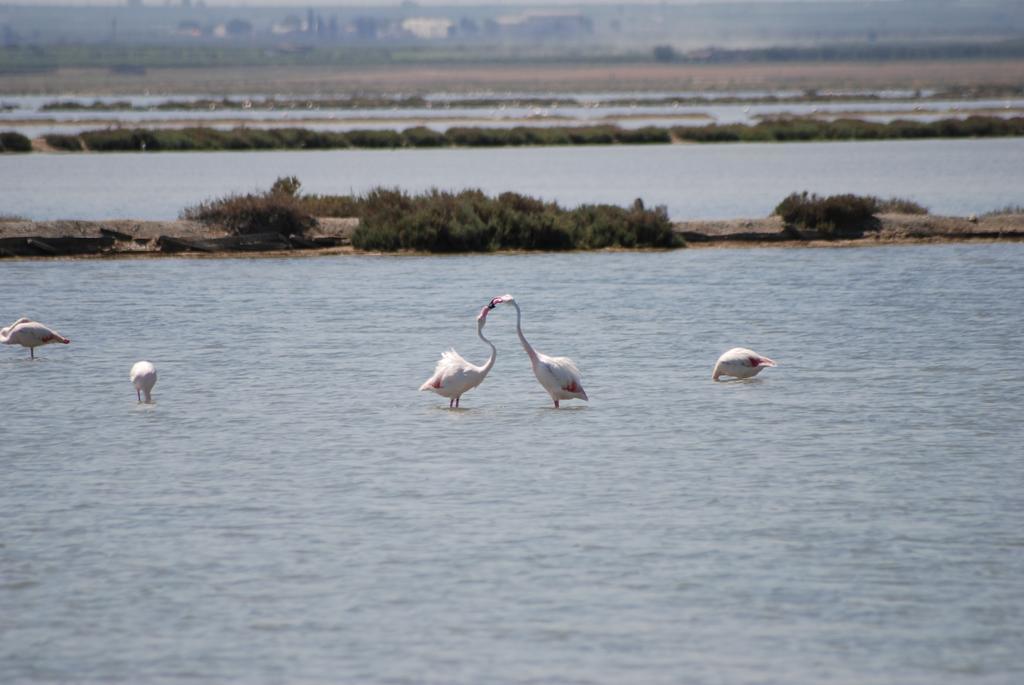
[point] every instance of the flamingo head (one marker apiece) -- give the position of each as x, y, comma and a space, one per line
504, 299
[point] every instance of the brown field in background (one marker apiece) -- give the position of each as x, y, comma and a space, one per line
535, 77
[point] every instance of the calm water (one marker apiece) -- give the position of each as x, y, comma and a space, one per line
292, 510
694, 181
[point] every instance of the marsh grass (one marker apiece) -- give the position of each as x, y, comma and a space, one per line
277, 210
845, 215
1007, 210
800, 129
470, 221
11, 141
774, 130
440, 221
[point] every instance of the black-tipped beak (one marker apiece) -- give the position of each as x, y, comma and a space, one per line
490, 305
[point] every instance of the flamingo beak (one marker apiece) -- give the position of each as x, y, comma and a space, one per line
766, 362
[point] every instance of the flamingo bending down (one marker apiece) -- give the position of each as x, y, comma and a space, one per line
454, 376
558, 375
30, 334
143, 377
740, 363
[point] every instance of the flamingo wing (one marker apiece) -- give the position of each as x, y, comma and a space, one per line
565, 374
450, 370
29, 334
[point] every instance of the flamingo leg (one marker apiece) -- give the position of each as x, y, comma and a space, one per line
451, 403
32, 352
556, 404
139, 394
457, 401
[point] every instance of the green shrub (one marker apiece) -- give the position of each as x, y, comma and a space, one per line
11, 141
277, 210
442, 221
798, 129
119, 140
772, 130
59, 141
592, 135
712, 133
645, 135
421, 136
374, 138
465, 136
834, 216
470, 221
898, 205
526, 223
1008, 209
286, 185
343, 206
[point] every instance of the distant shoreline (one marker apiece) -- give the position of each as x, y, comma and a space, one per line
462, 78
781, 130
24, 239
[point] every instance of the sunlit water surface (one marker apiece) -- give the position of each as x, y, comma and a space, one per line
291, 509
722, 181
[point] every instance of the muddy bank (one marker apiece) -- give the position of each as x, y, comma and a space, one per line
889, 228
126, 237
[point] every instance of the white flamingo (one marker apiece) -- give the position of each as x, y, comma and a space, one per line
143, 377
454, 376
740, 363
558, 375
30, 334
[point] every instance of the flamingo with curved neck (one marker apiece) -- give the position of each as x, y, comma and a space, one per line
454, 376
559, 376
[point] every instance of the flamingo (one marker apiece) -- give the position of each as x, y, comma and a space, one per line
454, 376
143, 376
558, 375
30, 334
741, 363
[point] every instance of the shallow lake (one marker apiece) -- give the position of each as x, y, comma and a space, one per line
694, 181
291, 509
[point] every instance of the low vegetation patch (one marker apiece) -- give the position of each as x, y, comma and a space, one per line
470, 221
277, 210
800, 129
1008, 209
898, 205
441, 221
841, 216
777, 130
63, 142
14, 142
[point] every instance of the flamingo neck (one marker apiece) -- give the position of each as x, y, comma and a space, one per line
519, 331
494, 351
